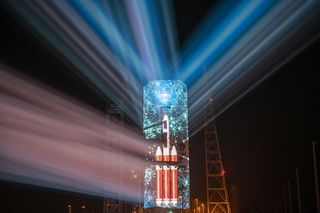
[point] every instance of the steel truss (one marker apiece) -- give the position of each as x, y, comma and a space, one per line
217, 195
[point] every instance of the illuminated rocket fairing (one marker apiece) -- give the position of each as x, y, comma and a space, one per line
165, 118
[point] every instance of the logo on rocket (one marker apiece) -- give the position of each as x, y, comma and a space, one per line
167, 171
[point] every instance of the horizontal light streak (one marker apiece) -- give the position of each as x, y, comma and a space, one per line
64, 29
50, 140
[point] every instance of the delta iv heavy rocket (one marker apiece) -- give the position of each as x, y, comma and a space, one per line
167, 171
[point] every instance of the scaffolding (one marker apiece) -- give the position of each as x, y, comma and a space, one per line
217, 195
111, 205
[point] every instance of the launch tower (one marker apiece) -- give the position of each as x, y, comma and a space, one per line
114, 115
165, 123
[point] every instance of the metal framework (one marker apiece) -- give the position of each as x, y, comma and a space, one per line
217, 195
111, 205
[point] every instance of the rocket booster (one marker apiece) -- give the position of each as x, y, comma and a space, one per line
159, 154
166, 171
166, 154
174, 177
166, 197
174, 155
158, 178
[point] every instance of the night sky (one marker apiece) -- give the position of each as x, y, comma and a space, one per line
263, 137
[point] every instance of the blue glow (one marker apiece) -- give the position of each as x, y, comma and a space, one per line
110, 33
164, 96
216, 41
176, 106
118, 46
167, 97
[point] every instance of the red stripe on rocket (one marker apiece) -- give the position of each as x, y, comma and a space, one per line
159, 194
166, 171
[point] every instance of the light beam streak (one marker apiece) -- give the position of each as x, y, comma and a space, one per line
52, 141
120, 45
275, 39
218, 40
142, 33
97, 39
79, 42
153, 30
171, 34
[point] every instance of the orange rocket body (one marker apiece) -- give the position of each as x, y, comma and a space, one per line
166, 175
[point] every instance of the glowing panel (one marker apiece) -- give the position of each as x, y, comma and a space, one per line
165, 122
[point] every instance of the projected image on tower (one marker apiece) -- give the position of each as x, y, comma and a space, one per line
165, 123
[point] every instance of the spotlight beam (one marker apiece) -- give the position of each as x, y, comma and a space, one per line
277, 36
119, 50
52, 141
215, 42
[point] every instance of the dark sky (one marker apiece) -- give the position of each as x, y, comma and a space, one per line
269, 132
263, 137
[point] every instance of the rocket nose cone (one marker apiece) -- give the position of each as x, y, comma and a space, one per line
165, 117
158, 151
165, 151
173, 150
